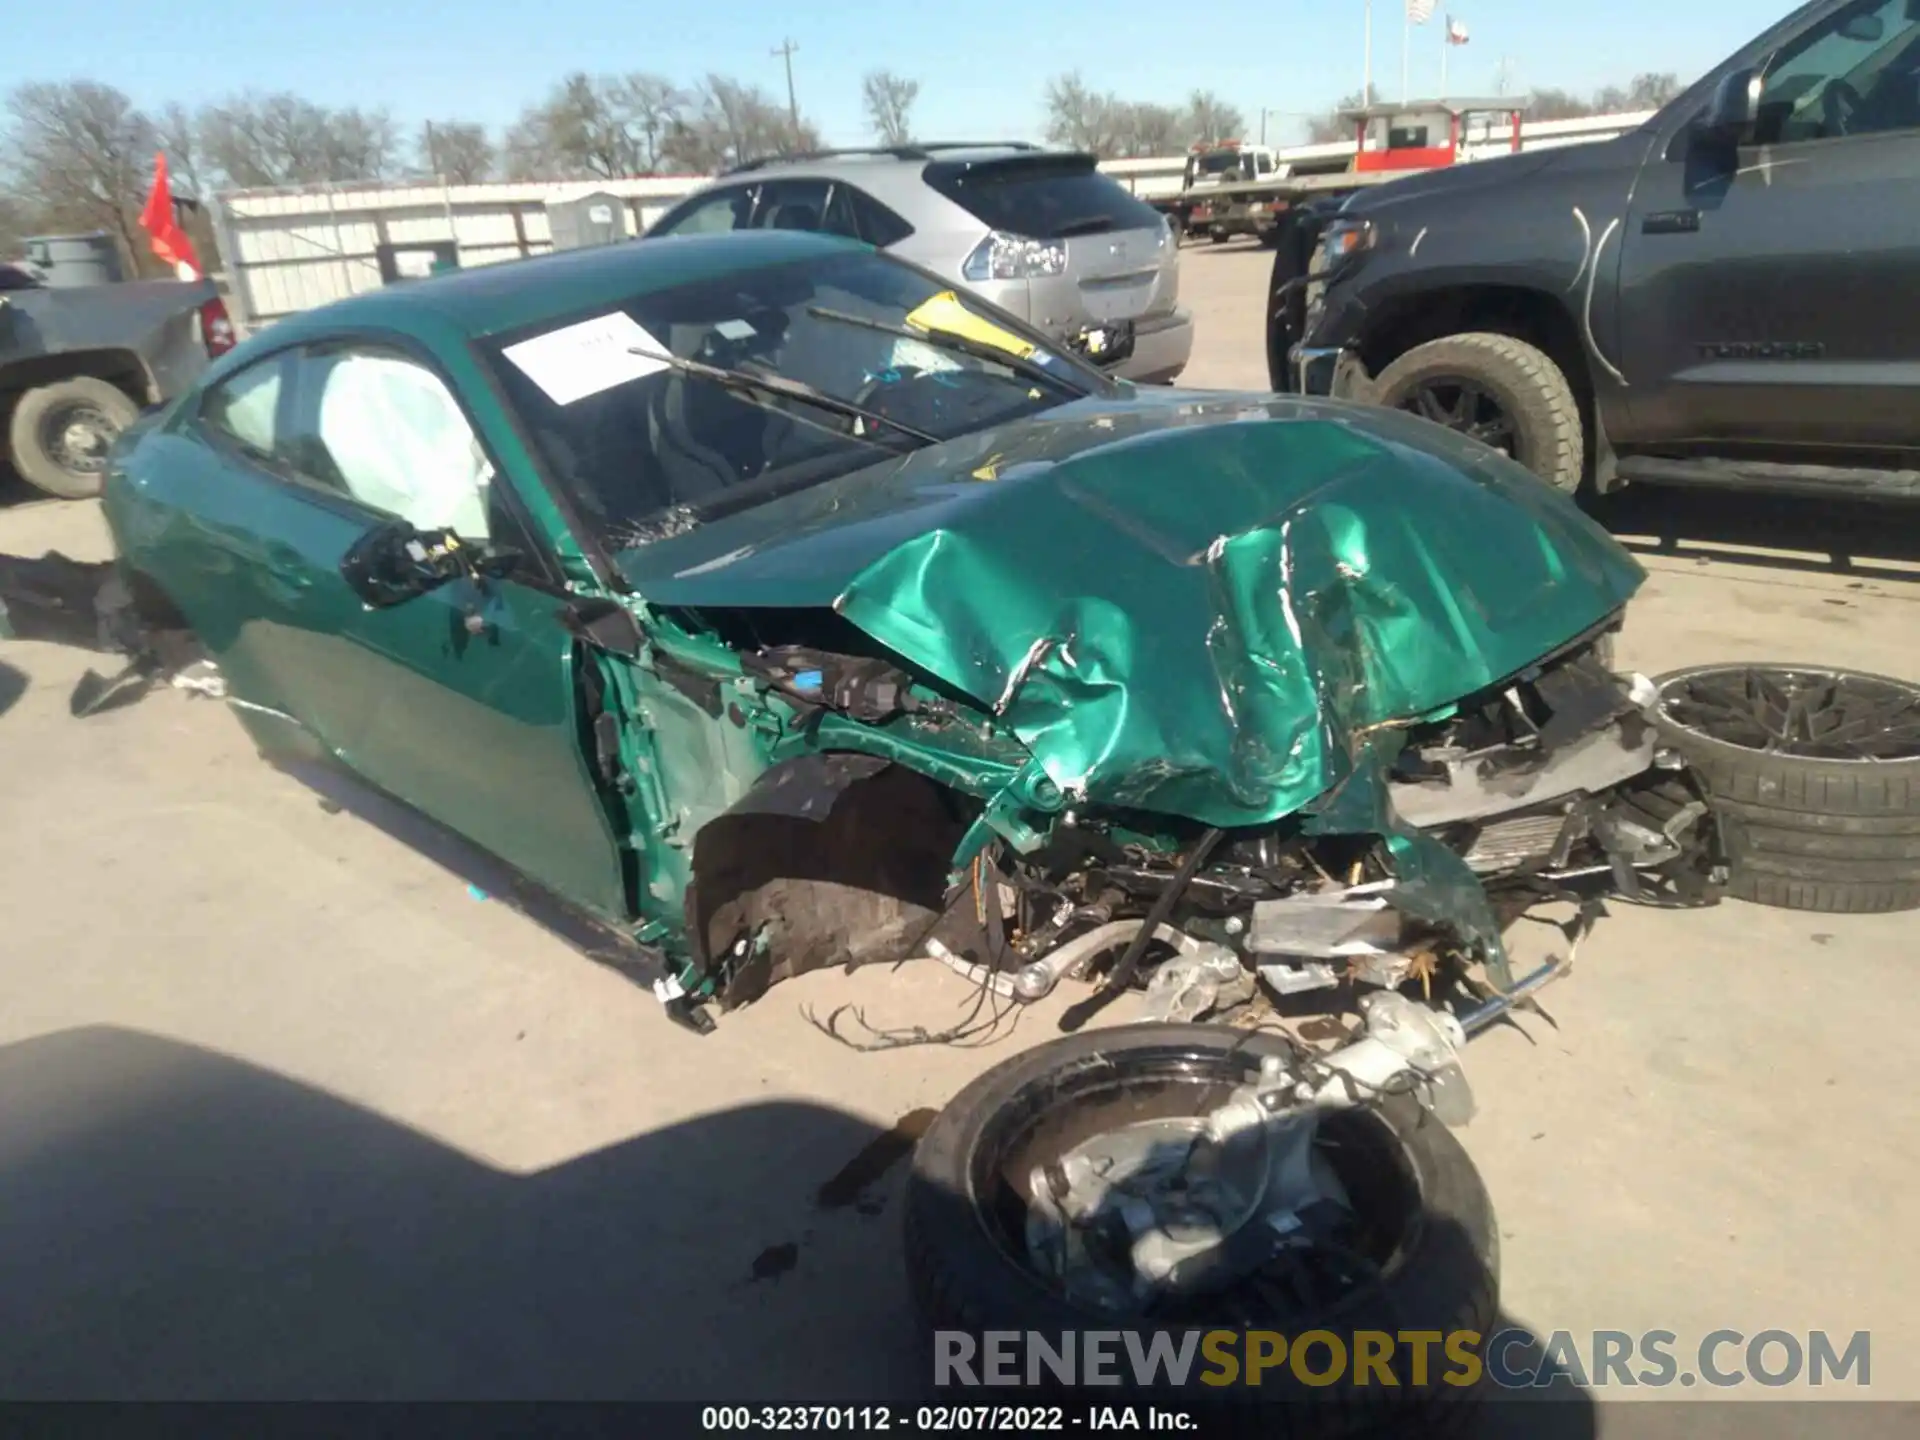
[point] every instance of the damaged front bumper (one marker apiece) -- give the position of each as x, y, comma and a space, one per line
1551, 787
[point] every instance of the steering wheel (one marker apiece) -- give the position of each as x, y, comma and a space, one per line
1840, 103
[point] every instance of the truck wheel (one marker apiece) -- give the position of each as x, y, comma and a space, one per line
1220, 237
60, 434
1498, 390
1418, 1248
1814, 774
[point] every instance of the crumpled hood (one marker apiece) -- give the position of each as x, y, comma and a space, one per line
1191, 604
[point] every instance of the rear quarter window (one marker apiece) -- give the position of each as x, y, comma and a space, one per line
877, 225
1042, 198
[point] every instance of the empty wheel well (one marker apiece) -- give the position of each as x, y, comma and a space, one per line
831, 858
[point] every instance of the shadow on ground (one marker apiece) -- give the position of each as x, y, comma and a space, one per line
179, 1224
13, 684
1826, 535
14, 490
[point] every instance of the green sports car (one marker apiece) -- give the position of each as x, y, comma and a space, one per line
761, 603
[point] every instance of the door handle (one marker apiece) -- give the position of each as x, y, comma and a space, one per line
1671, 222
288, 568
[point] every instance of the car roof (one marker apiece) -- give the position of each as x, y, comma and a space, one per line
491, 299
896, 177
911, 159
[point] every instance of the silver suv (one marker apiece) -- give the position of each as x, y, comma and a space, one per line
1040, 233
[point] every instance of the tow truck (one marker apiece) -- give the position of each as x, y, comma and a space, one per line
1211, 166
1390, 141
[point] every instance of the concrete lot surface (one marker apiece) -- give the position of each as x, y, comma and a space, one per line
285, 1111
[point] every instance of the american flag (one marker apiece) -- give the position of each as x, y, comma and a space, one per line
1456, 31
1420, 11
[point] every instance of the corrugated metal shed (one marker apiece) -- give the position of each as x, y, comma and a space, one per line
290, 250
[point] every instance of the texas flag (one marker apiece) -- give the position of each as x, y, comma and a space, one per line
161, 220
1456, 31
1420, 11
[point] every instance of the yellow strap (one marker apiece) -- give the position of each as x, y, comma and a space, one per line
944, 312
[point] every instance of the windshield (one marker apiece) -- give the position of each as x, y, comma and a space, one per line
650, 449
1042, 197
1220, 162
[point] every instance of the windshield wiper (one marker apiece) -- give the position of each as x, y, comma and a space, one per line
782, 386
1085, 225
958, 343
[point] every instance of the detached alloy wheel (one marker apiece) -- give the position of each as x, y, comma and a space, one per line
1413, 1245
60, 434
1815, 775
1498, 390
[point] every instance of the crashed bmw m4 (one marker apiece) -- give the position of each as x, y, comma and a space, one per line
768, 605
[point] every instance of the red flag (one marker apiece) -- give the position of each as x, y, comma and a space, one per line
162, 224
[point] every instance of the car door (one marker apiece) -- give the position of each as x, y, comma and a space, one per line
1766, 291
461, 702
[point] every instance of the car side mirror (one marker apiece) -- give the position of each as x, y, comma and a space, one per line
393, 563
1735, 107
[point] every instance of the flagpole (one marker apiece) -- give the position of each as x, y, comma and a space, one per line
1406, 55
1446, 49
1366, 74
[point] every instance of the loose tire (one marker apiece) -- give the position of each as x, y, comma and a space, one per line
1806, 831
1496, 389
965, 1208
37, 436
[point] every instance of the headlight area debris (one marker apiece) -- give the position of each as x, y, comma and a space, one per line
1550, 790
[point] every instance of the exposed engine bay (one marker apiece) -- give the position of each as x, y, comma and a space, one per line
1549, 787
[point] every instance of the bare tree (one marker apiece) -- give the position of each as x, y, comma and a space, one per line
889, 100
585, 128
731, 122
82, 155
1550, 103
650, 107
1107, 126
1146, 129
178, 133
282, 139
1653, 89
598, 126
1326, 129
1211, 119
362, 145
1082, 117
16, 224
260, 140
458, 151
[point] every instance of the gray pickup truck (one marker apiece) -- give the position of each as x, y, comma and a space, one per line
78, 364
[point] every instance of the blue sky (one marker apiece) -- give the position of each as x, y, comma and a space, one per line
982, 64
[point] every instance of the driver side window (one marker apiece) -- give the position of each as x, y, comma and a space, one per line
1855, 73
386, 431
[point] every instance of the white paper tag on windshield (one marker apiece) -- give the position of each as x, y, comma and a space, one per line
581, 360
